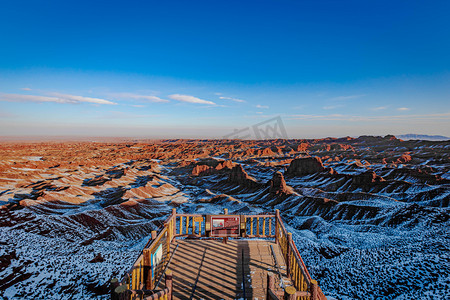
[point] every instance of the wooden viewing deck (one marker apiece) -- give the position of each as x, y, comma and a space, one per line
219, 257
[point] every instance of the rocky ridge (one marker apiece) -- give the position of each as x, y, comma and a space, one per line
353, 204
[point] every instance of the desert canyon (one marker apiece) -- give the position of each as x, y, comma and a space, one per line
370, 215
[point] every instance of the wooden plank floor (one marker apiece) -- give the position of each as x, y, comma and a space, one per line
209, 269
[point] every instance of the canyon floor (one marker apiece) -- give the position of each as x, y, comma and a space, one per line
370, 215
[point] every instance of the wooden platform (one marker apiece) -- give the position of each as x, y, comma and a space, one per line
187, 259
209, 269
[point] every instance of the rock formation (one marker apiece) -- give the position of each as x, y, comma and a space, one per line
367, 178
62, 203
240, 177
201, 170
211, 168
277, 183
305, 166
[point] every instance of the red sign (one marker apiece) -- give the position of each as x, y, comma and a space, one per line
224, 225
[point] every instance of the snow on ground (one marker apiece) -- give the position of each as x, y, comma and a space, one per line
59, 269
351, 259
353, 262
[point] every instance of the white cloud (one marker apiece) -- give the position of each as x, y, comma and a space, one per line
403, 108
136, 105
78, 99
25, 89
190, 99
149, 98
379, 108
262, 106
232, 99
347, 97
55, 97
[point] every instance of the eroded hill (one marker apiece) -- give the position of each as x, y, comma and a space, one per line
370, 215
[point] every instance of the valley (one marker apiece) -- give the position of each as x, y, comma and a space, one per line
370, 215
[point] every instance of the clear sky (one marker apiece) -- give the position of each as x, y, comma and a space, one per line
204, 68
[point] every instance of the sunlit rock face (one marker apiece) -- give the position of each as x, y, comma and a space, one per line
370, 215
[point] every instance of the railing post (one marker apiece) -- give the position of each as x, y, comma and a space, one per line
225, 239
314, 290
270, 284
141, 282
148, 277
257, 227
277, 226
288, 255
174, 220
147, 269
264, 227
243, 226
169, 284
113, 286
289, 293
167, 228
128, 281
122, 292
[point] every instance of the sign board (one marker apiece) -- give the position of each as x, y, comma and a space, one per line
225, 225
157, 258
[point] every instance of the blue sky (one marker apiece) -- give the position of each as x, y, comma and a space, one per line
204, 68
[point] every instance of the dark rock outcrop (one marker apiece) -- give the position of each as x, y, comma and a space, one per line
278, 184
368, 177
305, 166
239, 176
97, 258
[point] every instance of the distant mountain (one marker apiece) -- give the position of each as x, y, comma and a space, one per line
412, 136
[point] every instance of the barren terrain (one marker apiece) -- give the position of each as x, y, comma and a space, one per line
370, 215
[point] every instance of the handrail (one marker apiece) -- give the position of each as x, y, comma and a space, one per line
121, 292
199, 225
295, 267
142, 276
300, 259
142, 263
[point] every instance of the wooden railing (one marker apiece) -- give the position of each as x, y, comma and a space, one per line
305, 287
141, 282
262, 226
251, 226
122, 291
